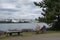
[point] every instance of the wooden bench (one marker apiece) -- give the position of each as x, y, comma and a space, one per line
13, 31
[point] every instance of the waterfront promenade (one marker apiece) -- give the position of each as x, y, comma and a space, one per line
36, 37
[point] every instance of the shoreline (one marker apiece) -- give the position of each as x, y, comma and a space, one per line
7, 23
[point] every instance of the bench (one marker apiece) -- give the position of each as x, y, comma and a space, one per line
13, 31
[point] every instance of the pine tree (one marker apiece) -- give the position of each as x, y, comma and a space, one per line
51, 12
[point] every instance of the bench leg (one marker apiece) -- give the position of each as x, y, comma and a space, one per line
10, 34
18, 33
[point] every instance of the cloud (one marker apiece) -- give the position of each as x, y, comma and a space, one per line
19, 9
8, 6
9, 10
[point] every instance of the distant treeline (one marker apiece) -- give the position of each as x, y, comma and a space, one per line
5, 21
13, 22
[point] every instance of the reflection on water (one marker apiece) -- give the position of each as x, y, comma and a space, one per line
20, 26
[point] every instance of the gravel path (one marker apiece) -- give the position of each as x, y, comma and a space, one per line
37, 37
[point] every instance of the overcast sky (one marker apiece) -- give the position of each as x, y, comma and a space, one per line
24, 9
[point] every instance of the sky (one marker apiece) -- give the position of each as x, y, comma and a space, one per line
19, 9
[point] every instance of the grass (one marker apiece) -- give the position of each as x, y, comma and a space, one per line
25, 34
2, 36
50, 32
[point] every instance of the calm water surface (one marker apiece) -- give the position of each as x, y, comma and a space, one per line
19, 26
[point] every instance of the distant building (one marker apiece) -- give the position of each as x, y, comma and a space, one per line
15, 20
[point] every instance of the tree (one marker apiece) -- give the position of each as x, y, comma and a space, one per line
40, 19
51, 12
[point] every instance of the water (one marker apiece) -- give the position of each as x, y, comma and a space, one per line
19, 26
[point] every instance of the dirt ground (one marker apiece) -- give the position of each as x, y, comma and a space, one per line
36, 37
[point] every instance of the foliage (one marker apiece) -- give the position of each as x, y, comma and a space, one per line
40, 19
51, 11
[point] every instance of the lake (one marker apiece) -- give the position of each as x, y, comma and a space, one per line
19, 26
